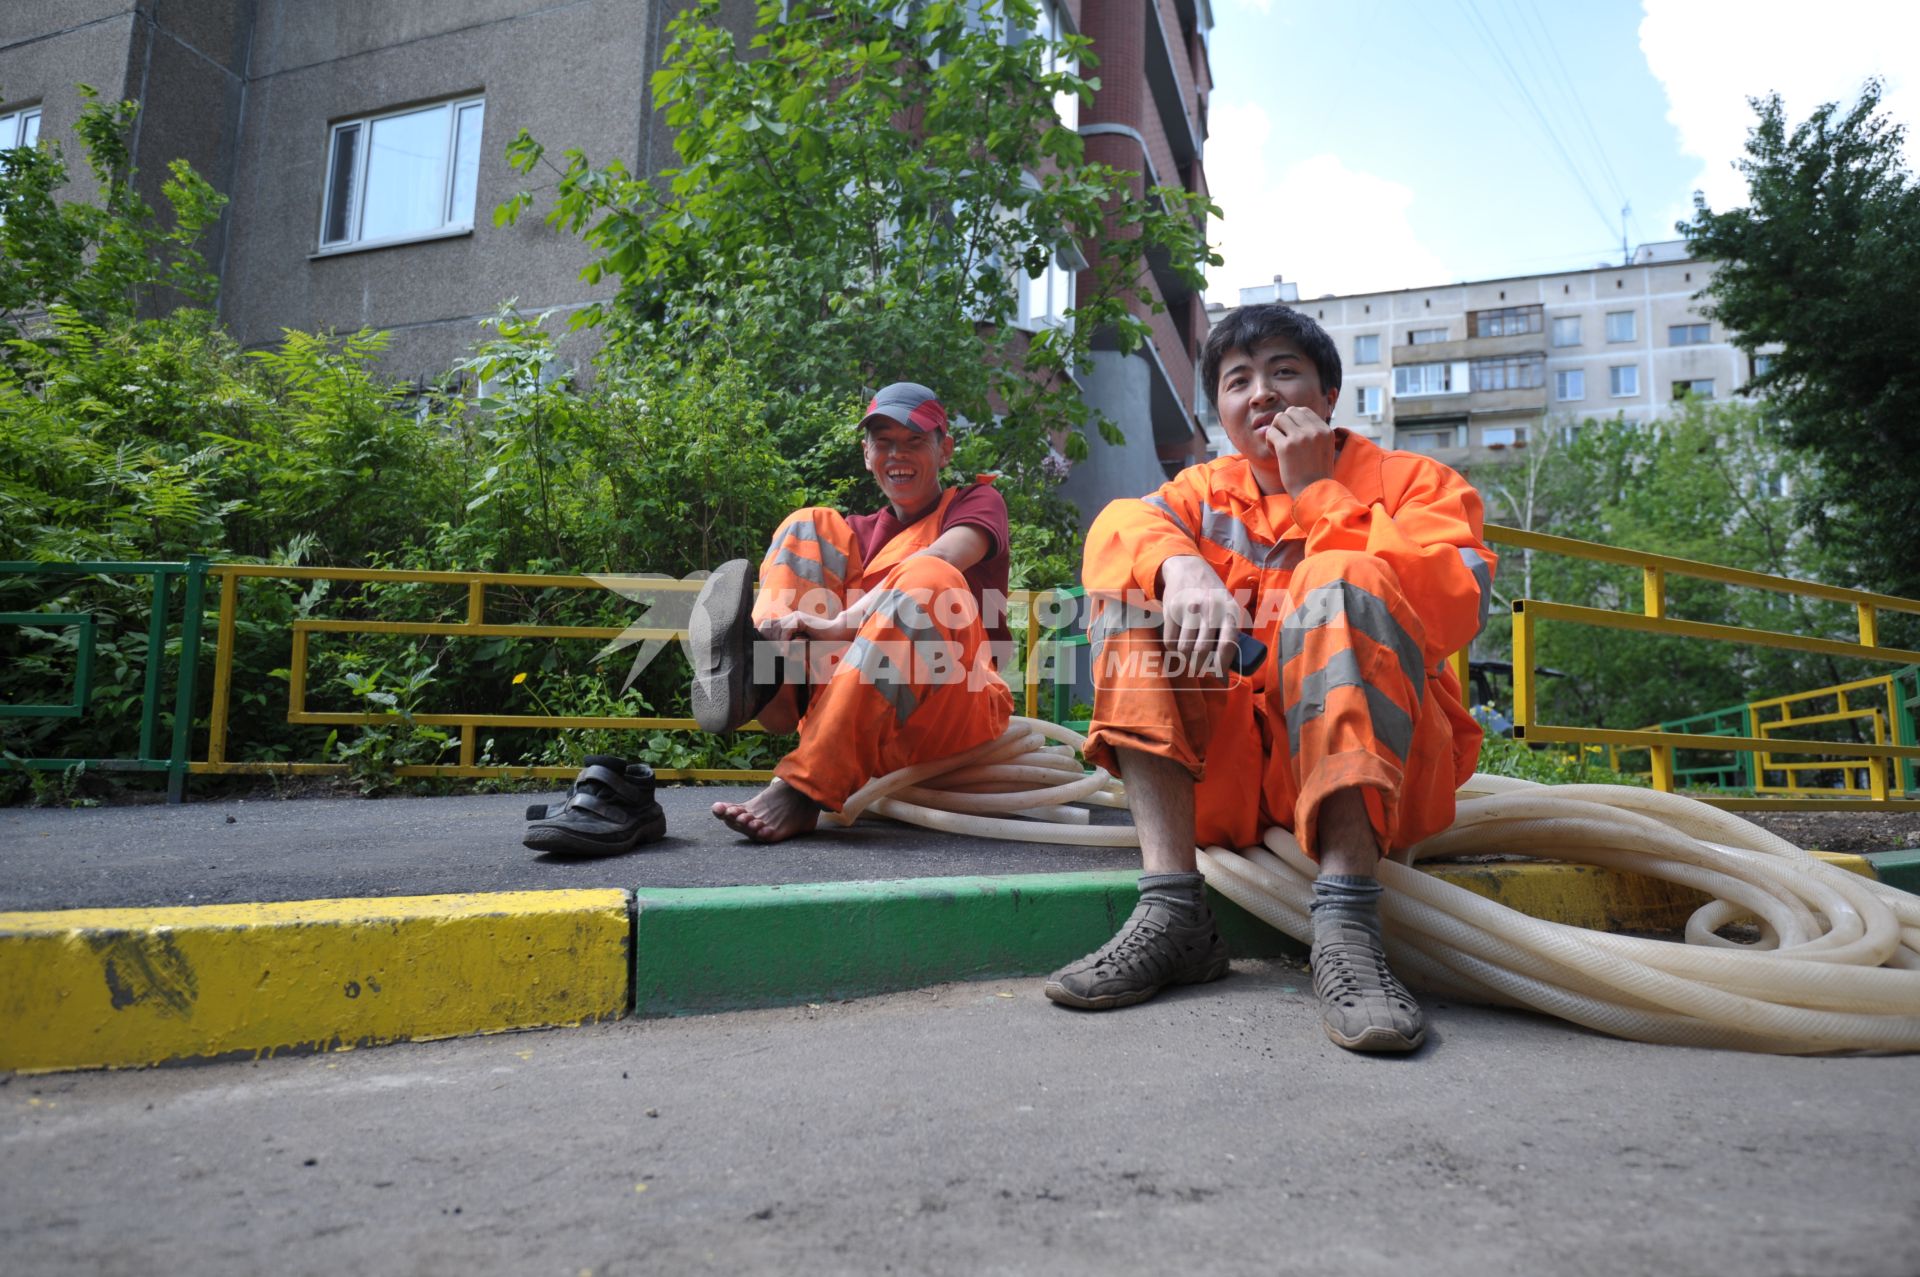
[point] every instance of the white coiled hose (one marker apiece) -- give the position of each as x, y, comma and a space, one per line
1837, 965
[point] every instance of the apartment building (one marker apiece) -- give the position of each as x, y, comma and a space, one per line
1476, 371
361, 146
1149, 116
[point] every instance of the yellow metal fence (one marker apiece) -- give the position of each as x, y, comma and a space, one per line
475, 625
1876, 761
1870, 770
1870, 706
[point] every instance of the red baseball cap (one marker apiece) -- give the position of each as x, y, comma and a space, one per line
909, 404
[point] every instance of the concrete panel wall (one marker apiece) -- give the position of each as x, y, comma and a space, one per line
43, 64
23, 21
188, 70
572, 74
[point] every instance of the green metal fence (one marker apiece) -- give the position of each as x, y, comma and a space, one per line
193, 575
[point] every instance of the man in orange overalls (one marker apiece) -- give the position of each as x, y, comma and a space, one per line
892, 616
1360, 570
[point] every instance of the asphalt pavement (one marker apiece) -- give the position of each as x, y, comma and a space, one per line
263, 849
978, 1129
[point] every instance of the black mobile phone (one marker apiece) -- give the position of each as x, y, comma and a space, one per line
1248, 652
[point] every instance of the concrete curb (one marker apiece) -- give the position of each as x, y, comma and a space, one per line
92, 988
729, 948
111, 988
1898, 868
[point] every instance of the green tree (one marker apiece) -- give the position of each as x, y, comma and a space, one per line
857, 194
105, 258
1710, 483
1825, 261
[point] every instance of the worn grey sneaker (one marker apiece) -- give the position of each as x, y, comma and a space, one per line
1155, 947
720, 647
1362, 1004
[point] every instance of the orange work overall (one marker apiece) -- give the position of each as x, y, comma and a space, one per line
1360, 590
915, 684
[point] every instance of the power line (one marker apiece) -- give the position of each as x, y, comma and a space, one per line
1513, 75
1572, 92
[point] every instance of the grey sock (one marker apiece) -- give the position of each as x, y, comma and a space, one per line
1347, 898
1185, 894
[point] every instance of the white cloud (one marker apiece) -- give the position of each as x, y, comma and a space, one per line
1712, 57
1323, 225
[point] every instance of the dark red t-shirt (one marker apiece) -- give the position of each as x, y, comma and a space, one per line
979, 505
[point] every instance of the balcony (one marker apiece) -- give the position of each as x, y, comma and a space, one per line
1529, 400
1441, 352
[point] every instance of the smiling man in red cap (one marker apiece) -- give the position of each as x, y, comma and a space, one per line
891, 616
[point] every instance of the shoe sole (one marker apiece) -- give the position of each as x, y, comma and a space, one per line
1376, 1038
571, 842
719, 642
1066, 997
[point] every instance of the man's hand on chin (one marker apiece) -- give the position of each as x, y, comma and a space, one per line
1304, 448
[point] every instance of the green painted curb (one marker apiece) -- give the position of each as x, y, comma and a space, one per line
1897, 868
699, 949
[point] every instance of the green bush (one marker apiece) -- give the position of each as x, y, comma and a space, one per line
1504, 756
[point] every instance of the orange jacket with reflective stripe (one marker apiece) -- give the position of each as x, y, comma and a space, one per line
1418, 516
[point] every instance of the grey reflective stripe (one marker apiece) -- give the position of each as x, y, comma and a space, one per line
880, 673
1108, 620
1367, 613
1111, 616
1236, 537
908, 616
1159, 503
806, 568
804, 530
1392, 726
1483, 575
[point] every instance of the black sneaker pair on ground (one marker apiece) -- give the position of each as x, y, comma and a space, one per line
1171, 939
609, 809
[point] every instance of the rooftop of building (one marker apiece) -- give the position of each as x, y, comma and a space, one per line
1657, 253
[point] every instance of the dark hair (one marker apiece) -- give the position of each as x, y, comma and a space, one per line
1241, 328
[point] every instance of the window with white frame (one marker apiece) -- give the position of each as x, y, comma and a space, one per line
19, 127
1366, 400
1566, 331
1620, 325
1623, 380
1508, 321
1046, 298
1762, 364
1503, 437
1510, 372
1689, 334
1366, 349
1053, 24
1569, 385
1424, 379
1696, 388
402, 175
1043, 298
1427, 441
1426, 336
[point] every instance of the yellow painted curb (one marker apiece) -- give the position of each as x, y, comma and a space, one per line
89, 988
1588, 896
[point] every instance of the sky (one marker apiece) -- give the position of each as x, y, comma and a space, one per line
1363, 145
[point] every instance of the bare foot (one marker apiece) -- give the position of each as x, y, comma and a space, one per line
775, 814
